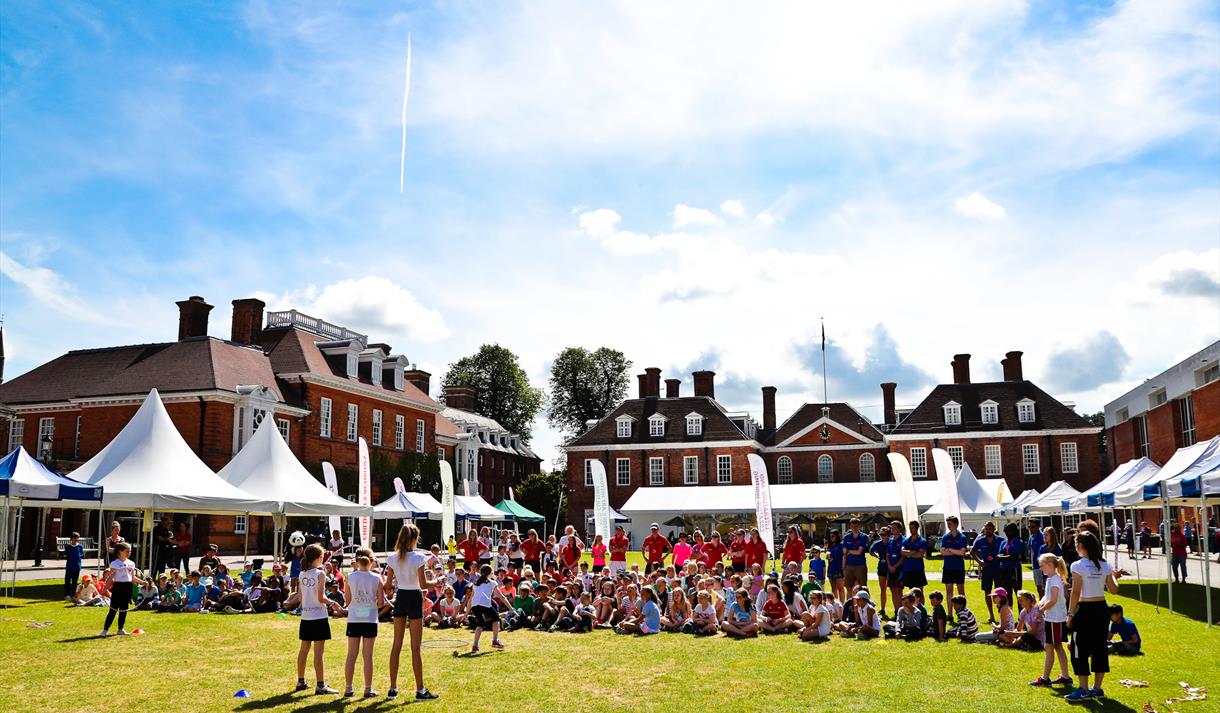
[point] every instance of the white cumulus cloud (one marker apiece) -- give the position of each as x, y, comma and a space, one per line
685, 215
50, 289
766, 218
602, 225
733, 208
980, 207
376, 306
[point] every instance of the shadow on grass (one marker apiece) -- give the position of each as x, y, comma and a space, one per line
1188, 599
324, 703
75, 639
45, 591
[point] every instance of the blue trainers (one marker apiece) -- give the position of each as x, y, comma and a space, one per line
1078, 695
1097, 693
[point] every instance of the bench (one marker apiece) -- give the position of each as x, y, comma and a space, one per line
87, 543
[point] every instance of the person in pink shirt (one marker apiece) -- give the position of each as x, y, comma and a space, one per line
682, 551
599, 551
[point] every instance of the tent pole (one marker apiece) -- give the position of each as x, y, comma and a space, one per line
1165, 545
1139, 582
4, 545
101, 548
17, 545
1205, 535
245, 544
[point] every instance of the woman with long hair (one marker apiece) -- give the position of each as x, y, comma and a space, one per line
405, 570
1089, 616
1049, 543
834, 563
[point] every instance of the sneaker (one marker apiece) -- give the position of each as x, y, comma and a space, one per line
1062, 681
1078, 695
230, 610
323, 689
348, 693
424, 694
122, 632
1097, 693
104, 634
391, 694
497, 645
370, 693
1040, 681
301, 686
474, 649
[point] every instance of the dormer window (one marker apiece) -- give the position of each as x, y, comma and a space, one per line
399, 381
623, 426
656, 425
353, 365
990, 411
694, 424
1025, 411
953, 414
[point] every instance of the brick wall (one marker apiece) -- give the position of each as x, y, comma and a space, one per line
312, 448
846, 464
1207, 411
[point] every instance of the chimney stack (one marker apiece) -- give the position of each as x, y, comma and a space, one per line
769, 407
643, 379
654, 381
705, 383
1012, 367
887, 399
247, 321
961, 368
419, 378
460, 398
193, 317
673, 388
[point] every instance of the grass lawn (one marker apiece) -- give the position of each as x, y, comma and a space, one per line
196, 662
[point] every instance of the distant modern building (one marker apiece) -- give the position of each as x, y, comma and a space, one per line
1174, 409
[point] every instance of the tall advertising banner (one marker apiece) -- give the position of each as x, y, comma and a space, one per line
446, 501
762, 501
906, 486
332, 484
946, 475
365, 494
601, 501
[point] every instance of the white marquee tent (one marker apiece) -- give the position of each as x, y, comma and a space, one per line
1013, 507
1185, 489
408, 506
1132, 493
1051, 499
976, 502
474, 507
1133, 471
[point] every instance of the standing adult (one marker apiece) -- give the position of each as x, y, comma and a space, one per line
488, 546
878, 549
855, 564
1089, 616
834, 564
696, 548
737, 551
986, 551
1177, 551
714, 551
894, 562
794, 548
619, 544
407, 577
532, 549
113, 539
164, 551
1033, 542
756, 548
472, 549
569, 554
1050, 543
182, 548
914, 548
953, 550
682, 551
654, 548
1011, 553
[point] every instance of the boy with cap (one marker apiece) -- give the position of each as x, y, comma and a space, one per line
866, 623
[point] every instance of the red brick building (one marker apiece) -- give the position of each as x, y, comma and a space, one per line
1010, 429
323, 384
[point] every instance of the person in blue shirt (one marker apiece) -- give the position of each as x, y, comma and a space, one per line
953, 549
1129, 640
1008, 577
1035, 541
834, 564
650, 622
855, 564
817, 566
914, 547
878, 550
1048, 543
194, 594
74, 552
893, 561
986, 551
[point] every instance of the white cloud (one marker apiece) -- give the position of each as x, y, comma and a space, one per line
373, 305
602, 226
733, 208
980, 207
51, 290
685, 215
766, 218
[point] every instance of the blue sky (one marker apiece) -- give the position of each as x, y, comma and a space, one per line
695, 184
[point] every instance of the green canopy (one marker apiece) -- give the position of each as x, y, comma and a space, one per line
519, 512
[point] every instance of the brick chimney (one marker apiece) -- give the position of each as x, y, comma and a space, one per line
193, 317
673, 388
887, 400
705, 383
643, 379
1012, 366
420, 379
654, 381
247, 321
961, 368
460, 398
768, 407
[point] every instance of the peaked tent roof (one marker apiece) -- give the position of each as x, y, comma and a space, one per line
1135, 470
1202, 478
1051, 499
1012, 508
474, 507
266, 468
1179, 463
408, 506
21, 476
149, 466
975, 502
519, 511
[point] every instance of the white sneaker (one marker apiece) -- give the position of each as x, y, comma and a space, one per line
123, 632
104, 634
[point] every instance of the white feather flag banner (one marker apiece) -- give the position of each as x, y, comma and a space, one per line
762, 501
601, 500
946, 475
906, 486
447, 513
332, 484
365, 493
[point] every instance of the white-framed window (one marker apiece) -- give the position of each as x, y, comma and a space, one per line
399, 381
623, 426
377, 427
1186, 412
1141, 434
76, 441
656, 471
826, 468
419, 435
990, 412
588, 472
375, 371
1030, 463
656, 425
1068, 458
239, 524
46, 429
400, 431
868, 468
16, 433
353, 365
440, 452
724, 469
992, 463
353, 418
953, 414
694, 425
622, 471
690, 470
324, 418
957, 454
1207, 374
1122, 415
285, 428
919, 462
783, 469
1158, 397
1025, 411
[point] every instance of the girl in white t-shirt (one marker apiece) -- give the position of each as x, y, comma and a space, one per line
704, 616
315, 621
364, 593
482, 599
1053, 606
122, 578
817, 619
406, 572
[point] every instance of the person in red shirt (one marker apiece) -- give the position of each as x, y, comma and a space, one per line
1177, 551
756, 549
471, 549
619, 544
531, 549
569, 554
737, 551
654, 549
714, 551
794, 548
696, 548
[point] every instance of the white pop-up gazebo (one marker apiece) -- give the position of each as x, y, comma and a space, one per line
1051, 499
1137, 470
975, 502
1013, 507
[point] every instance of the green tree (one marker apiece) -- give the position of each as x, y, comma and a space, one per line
540, 492
585, 386
502, 390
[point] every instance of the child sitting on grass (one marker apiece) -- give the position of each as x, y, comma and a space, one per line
1129, 641
194, 595
775, 617
865, 623
704, 615
908, 623
815, 622
999, 596
741, 620
967, 626
940, 618
1028, 634
170, 601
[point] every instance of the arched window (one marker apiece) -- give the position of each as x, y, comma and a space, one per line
868, 468
784, 468
826, 469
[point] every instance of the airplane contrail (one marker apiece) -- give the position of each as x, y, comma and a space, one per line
406, 94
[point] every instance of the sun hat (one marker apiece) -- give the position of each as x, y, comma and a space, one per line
862, 594
999, 592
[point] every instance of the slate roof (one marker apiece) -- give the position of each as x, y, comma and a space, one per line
1049, 412
716, 424
807, 414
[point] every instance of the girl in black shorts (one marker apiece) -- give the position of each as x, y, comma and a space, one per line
406, 571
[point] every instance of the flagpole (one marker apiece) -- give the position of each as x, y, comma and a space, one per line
825, 397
